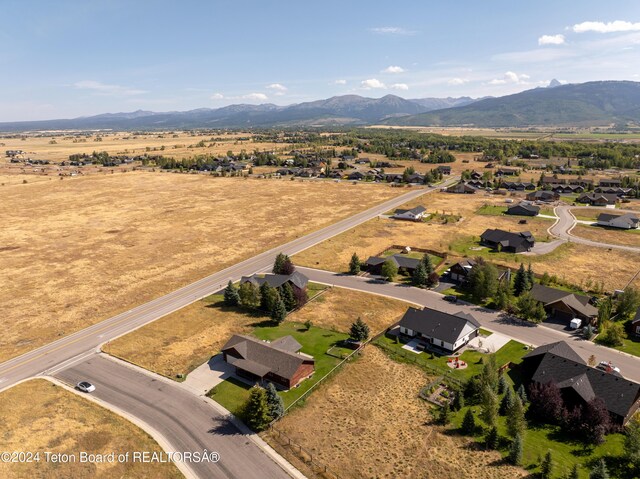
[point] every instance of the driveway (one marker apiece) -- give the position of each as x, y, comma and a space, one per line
489, 344
205, 377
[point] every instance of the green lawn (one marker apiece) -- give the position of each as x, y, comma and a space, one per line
493, 210
630, 346
485, 333
315, 342
547, 211
513, 352
566, 451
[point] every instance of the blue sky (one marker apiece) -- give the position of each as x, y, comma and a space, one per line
72, 58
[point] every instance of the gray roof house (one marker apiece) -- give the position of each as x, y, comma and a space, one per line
523, 209
414, 214
627, 221
297, 280
405, 264
507, 241
580, 383
279, 361
437, 328
563, 305
462, 188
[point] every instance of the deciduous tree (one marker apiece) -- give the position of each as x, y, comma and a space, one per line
389, 270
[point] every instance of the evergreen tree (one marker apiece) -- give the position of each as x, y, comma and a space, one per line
428, 265
520, 281
503, 384
507, 402
256, 410
444, 416
288, 297
354, 264
389, 270
489, 406
278, 264
491, 440
419, 277
268, 297
359, 330
546, 467
468, 426
489, 375
604, 312
522, 394
274, 402
279, 311
632, 441
249, 295
531, 277
516, 422
575, 473
231, 295
515, 451
599, 471
458, 401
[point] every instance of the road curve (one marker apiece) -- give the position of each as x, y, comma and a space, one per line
68, 349
524, 332
187, 422
567, 221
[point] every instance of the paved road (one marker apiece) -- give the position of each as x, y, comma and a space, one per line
489, 319
567, 221
186, 421
72, 348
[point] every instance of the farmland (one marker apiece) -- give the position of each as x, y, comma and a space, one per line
81, 250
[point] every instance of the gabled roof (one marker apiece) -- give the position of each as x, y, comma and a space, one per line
400, 261
525, 206
261, 357
416, 210
277, 280
637, 317
438, 324
507, 238
560, 349
577, 302
619, 394
627, 218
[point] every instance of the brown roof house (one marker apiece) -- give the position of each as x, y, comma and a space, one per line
562, 305
279, 362
579, 383
598, 199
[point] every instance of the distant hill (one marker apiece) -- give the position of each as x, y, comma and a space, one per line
584, 104
338, 110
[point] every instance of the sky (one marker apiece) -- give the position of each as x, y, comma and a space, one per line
66, 59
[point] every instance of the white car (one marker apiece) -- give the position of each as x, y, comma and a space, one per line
85, 387
608, 367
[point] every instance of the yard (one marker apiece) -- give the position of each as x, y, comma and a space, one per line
608, 235
39, 416
315, 341
89, 248
368, 422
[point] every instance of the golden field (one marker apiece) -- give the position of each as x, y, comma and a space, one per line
65, 423
77, 251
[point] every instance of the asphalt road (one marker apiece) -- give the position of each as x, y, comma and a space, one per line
186, 421
524, 332
69, 349
566, 222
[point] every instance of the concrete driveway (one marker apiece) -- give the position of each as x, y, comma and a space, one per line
205, 377
489, 344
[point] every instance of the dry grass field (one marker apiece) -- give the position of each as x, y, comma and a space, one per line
77, 251
376, 235
608, 235
182, 341
66, 423
122, 143
368, 422
578, 264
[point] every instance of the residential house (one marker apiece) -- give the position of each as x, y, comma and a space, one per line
414, 214
393, 178
405, 264
279, 362
563, 305
580, 383
476, 183
297, 280
523, 209
517, 186
610, 182
462, 188
545, 196
627, 221
444, 169
507, 241
475, 175
436, 328
635, 324
566, 189
613, 190
459, 272
598, 199
506, 171
356, 176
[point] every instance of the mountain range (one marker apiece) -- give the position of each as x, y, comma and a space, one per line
585, 104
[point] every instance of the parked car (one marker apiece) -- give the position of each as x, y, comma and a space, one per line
451, 298
86, 387
608, 367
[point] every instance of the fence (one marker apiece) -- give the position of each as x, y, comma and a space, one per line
419, 250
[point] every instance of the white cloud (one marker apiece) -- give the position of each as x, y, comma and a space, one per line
339, 82
392, 31
372, 83
511, 77
457, 81
551, 39
277, 87
399, 86
609, 27
217, 96
106, 89
393, 69
254, 97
